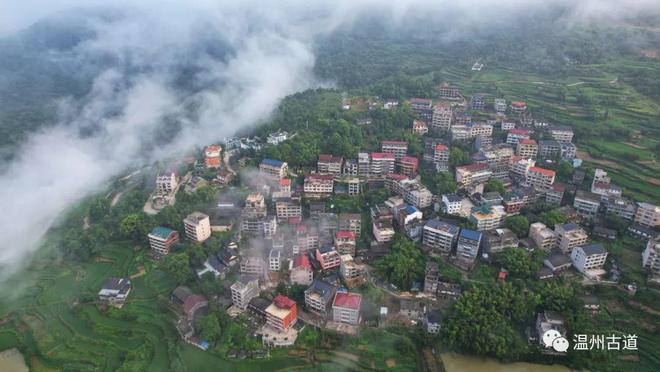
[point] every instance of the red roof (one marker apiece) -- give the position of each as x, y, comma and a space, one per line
518, 104
421, 100
294, 220
388, 142
326, 158
283, 302
527, 141
441, 147
473, 167
516, 158
545, 172
601, 185
212, 161
212, 148
342, 234
396, 176
320, 177
559, 187
348, 300
501, 275
302, 260
382, 155
410, 159
518, 131
193, 301
285, 182
419, 124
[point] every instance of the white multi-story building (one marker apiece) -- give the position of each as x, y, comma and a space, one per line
441, 158
383, 231
381, 164
439, 236
543, 237
452, 203
442, 115
350, 271
589, 257
245, 289
472, 174
300, 270
561, 134
318, 185
329, 164
420, 127
540, 179
651, 256
586, 203
274, 260
413, 192
252, 265
161, 240
487, 217
346, 307
318, 297
273, 169
520, 167
569, 236
166, 182
647, 215
197, 226
499, 104
527, 148
398, 148
515, 135
276, 138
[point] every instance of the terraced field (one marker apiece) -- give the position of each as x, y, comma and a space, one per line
592, 100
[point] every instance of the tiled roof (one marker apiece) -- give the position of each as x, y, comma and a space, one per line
347, 300
272, 162
545, 172
161, 232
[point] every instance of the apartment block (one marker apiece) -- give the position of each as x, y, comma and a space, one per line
569, 236
197, 226
397, 148
161, 240
244, 290
439, 236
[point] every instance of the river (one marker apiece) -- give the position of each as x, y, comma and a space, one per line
460, 363
12, 360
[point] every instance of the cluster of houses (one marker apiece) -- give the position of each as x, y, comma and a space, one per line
285, 235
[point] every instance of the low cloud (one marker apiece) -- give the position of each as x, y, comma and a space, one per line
212, 67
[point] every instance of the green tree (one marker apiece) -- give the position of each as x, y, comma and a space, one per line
444, 183
518, 262
178, 266
495, 185
134, 227
403, 264
518, 224
209, 328
458, 156
551, 218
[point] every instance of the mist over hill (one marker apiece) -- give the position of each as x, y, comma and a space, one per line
88, 90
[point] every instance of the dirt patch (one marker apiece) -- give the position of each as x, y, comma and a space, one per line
586, 157
348, 356
391, 363
139, 273
644, 308
103, 260
654, 181
635, 145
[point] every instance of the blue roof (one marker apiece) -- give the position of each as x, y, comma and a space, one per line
272, 162
410, 210
326, 249
442, 225
470, 234
570, 226
161, 232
